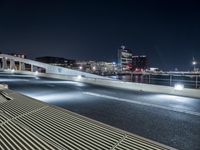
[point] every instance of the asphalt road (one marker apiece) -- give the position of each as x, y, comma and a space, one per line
171, 120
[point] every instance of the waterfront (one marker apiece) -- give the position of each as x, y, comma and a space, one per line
189, 81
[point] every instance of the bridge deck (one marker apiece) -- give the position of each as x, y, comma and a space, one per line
26, 123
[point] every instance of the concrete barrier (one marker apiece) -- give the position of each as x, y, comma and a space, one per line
123, 85
143, 87
3, 86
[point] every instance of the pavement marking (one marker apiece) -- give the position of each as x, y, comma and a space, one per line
144, 103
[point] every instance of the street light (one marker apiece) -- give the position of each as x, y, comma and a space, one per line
80, 67
194, 63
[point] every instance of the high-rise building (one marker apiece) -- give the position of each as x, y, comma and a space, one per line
125, 58
139, 63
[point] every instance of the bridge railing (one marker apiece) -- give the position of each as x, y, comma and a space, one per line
189, 81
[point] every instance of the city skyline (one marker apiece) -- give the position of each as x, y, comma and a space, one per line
167, 32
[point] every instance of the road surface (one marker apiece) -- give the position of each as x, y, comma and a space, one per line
171, 120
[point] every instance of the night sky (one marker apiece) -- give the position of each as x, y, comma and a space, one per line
167, 31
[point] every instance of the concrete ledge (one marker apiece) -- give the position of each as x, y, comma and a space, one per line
123, 85
143, 87
3, 86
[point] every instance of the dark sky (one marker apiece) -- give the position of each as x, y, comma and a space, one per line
167, 31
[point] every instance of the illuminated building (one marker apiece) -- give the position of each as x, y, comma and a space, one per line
125, 58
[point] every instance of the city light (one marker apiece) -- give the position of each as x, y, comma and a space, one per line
179, 87
134, 66
36, 73
80, 67
194, 62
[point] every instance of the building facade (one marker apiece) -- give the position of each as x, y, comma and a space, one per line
139, 63
97, 67
125, 59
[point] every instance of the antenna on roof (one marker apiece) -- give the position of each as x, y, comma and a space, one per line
123, 47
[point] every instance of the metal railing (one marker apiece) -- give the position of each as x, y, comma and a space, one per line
189, 81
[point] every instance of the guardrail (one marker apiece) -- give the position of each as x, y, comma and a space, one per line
121, 84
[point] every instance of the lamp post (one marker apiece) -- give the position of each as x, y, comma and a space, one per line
194, 63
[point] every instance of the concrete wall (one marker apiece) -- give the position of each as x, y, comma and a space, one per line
124, 85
